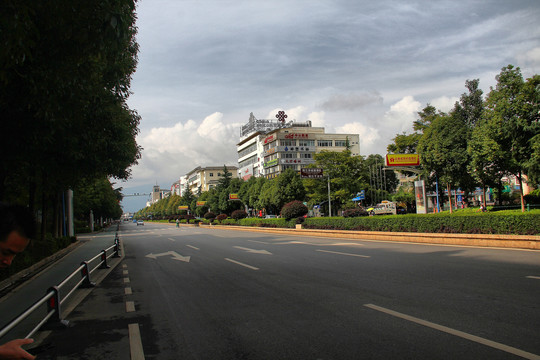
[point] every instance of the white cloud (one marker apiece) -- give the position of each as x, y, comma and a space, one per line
402, 114
444, 103
369, 136
170, 152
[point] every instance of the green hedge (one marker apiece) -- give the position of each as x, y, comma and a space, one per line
487, 223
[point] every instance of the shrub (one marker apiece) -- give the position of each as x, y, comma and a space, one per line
294, 209
356, 212
210, 216
221, 217
239, 214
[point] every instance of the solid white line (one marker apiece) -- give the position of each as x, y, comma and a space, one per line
533, 277
130, 306
135, 343
458, 333
193, 247
342, 253
242, 264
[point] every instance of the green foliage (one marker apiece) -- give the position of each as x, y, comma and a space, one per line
99, 196
355, 212
294, 209
239, 214
472, 223
274, 223
210, 216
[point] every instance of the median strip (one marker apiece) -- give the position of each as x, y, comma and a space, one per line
342, 253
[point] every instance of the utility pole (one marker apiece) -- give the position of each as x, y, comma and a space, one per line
329, 200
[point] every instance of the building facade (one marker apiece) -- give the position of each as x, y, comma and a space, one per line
206, 178
292, 146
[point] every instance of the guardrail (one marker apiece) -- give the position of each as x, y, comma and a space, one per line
53, 297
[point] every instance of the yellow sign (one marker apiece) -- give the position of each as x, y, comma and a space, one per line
233, 197
402, 159
201, 203
183, 207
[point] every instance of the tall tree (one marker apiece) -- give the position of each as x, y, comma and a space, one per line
513, 122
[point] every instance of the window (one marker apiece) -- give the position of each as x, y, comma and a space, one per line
305, 155
287, 142
285, 167
306, 142
324, 143
211, 174
289, 156
341, 143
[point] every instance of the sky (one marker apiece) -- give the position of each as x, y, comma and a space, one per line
351, 66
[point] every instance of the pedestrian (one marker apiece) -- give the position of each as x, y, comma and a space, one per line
177, 223
17, 227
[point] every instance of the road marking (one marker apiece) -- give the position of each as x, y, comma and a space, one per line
130, 306
135, 343
172, 239
259, 242
342, 253
127, 291
458, 333
253, 251
125, 272
174, 254
124, 266
242, 264
126, 280
193, 247
533, 277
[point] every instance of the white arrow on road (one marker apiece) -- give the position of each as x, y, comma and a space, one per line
174, 254
264, 252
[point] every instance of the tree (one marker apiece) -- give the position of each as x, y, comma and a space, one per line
513, 125
289, 187
348, 175
443, 150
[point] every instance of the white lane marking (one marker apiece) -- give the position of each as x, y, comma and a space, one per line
172, 239
126, 280
533, 277
127, 291
135, 342
125, 272
342, 253
458, 333
193, 247
242, 264
174, 254
130, 306
259, 242
253, 251
124, 266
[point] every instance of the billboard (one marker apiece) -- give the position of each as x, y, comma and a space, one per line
402, 159
311, 173
233, 197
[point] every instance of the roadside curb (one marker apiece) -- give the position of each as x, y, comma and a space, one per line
529, 242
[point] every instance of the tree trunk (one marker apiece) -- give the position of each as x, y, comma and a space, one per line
520, 181
449, 189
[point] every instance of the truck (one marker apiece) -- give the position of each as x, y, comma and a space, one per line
384, 208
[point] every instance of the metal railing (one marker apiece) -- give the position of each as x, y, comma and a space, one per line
53, 297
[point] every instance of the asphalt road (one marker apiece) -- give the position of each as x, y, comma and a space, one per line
200, 293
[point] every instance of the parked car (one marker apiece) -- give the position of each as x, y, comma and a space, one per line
401, 210
270, 216
140, 222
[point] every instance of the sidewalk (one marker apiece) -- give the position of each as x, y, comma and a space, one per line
25, 295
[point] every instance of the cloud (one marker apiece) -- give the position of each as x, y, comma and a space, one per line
402, 114
445, 103
369, 136
351, 101
530, 59
171, 152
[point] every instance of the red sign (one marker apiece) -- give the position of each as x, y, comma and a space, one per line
269, 139
296, 136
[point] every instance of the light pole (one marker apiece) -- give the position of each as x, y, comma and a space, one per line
329, 200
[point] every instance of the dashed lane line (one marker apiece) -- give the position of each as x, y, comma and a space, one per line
461, 334
242, 264
135, 342
342, 253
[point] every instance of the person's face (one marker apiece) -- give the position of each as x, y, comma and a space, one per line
9, 248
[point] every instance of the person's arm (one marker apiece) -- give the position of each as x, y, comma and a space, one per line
13, 350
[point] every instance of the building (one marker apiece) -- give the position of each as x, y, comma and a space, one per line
206, 178
292, 145
157, 194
